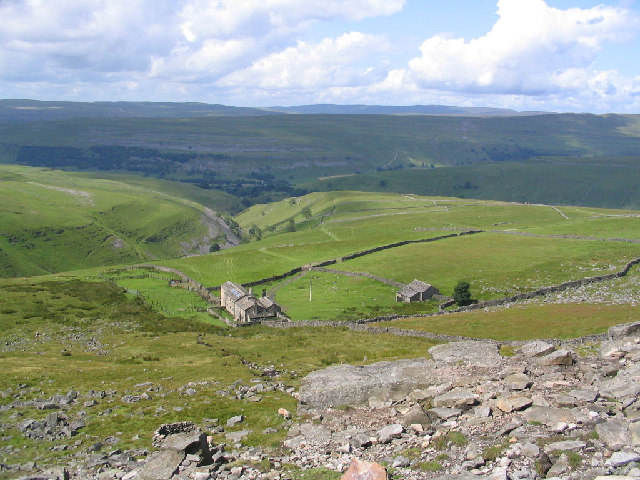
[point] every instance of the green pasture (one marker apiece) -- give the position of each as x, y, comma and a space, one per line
598, 182
525, 322
56, 221
62, 335
214, 199
338, 297
154, 289
496, 265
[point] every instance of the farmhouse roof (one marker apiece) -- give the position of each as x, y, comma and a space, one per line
246, 302
234, 290
414, 287
265, 302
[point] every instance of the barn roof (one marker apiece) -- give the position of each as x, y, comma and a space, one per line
246, 302
413, 288
265, 302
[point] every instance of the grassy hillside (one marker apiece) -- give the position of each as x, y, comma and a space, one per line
118, 341
301, 148
107, 342
497, 262
611, 182
54, 221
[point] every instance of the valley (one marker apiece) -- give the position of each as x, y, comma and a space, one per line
109, 326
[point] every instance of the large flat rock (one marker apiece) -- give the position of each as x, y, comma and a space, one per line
479, 354
350, 385
624, 385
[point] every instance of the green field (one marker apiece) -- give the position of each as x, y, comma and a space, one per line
525, 322
610, 182
82, 324
583, 159
58, 335
53, 221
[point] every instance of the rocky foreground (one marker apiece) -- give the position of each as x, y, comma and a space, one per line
548, 411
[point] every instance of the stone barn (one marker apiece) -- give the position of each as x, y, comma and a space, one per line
416, 291
245, 307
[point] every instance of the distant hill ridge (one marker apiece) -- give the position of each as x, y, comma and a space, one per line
441, 110
24, 110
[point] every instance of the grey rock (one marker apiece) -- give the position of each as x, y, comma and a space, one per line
416, 416
444, 413
624, 385
315, 434
461, 398
401, 462
513, 403
584, 395
573, 445
482, 412
558, 357
560, 467
530, 450
517, 381
235, 420
614, 433
549, 416
352, 385
624, 329
479, 354
386, 434
619, 459
161, 465
634, 429
236, 437
537, 348
181, 442
361, 440
616, 348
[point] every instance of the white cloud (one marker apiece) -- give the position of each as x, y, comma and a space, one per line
532, 49
190, 40
331, 62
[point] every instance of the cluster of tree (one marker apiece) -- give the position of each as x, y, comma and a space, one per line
462, 294
110, 157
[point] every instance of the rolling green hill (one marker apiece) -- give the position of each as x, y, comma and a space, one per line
52, 221
519, 249
123, 331
610, 182
251, 155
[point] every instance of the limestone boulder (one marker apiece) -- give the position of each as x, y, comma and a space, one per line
537, 349
624, 386
388, 433
360, 470
624, 329
476, 353
461, 398
355, 385
549, 416
517, 381
558, 357
161, 465
614, 433
513, 403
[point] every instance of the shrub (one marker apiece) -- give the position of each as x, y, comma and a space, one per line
462, 293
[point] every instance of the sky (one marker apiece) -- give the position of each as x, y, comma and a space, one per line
552, 55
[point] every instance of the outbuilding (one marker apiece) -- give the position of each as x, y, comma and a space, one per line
416, 291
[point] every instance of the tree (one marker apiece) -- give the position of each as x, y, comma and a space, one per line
462, 293
306, 212
291, 226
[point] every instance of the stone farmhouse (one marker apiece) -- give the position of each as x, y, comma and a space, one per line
416, 291
245, 307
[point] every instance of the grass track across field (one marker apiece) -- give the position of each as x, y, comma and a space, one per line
525, 322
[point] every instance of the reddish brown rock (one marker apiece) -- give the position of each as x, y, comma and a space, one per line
360, 470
